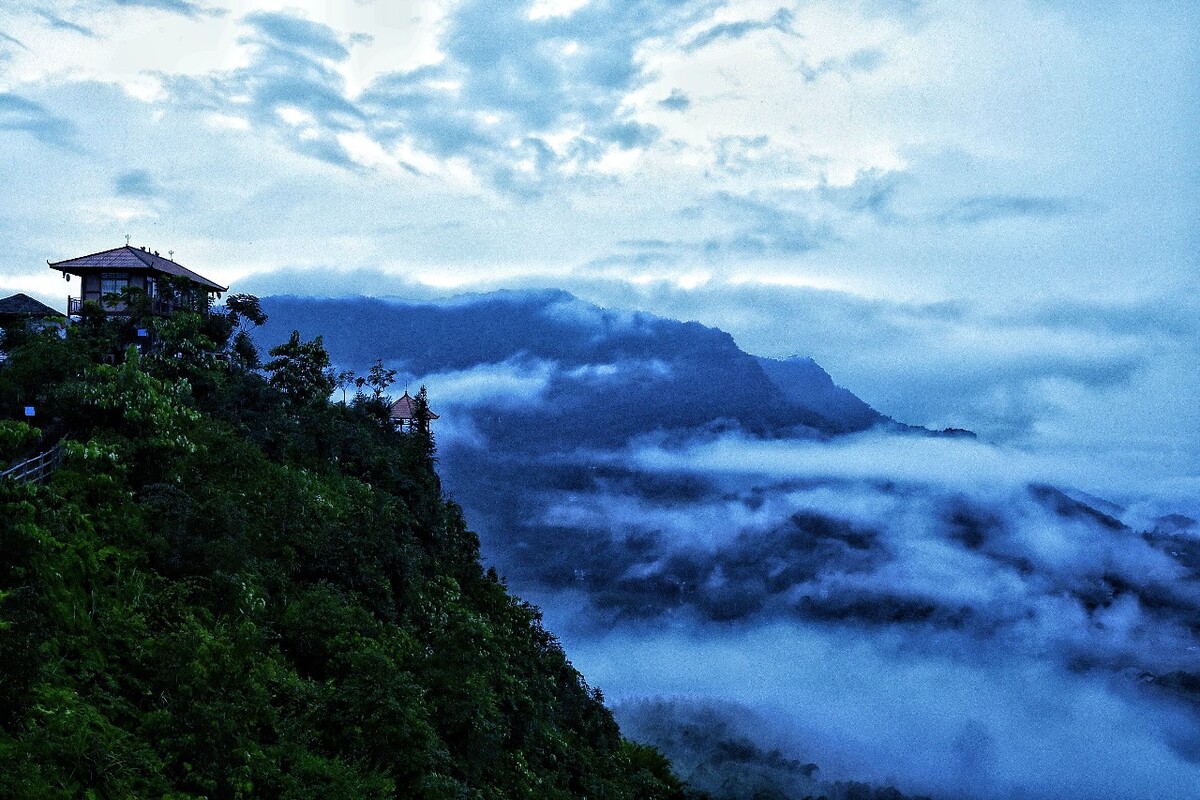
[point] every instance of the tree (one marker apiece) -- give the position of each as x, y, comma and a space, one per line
421, 417
379, 378
16, 437
178, 292
345, 379
229, 329
247, 307
137, 304
301, 370
211, 599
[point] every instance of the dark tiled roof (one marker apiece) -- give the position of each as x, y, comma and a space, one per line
403, 408
26, 306
128, 257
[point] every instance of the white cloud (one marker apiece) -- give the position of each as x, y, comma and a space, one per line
127, 45
227, 121
967, 464
874, 709
544, 9
896, 609
294, 116
505, 386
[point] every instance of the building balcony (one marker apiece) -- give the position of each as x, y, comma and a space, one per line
160, 306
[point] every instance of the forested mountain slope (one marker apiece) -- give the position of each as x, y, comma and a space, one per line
233, 587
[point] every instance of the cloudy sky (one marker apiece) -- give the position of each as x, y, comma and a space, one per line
971, 212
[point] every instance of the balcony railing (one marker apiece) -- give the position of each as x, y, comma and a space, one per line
158, 305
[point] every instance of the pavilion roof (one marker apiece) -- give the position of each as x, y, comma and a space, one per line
403, 408
128, 257
24, 305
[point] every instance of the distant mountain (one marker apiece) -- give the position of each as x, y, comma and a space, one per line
611, 375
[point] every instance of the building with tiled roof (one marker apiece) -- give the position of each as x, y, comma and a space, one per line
22, 311
167, 285
404, 413
23, 307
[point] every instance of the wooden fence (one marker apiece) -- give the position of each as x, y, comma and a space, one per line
36, 469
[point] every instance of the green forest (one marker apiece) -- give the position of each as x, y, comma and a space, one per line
233, 586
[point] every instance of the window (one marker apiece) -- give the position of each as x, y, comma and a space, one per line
113, 282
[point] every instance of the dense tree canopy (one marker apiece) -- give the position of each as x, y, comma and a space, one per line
235, 588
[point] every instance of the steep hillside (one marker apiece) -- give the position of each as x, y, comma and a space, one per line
804, 382
235, 588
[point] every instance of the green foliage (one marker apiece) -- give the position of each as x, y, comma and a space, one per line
421, 428
379, 378
300, 371
136, 302
344, 380
180, 293
136, 404
247, 307
15, 438
35, 369
233, 588
230, 329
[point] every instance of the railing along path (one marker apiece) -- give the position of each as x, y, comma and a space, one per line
37, 468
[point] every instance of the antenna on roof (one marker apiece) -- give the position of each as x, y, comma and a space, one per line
170, 254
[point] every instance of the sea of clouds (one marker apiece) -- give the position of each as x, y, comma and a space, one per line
784, 608
944, 615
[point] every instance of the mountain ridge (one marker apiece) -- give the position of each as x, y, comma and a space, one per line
710, 377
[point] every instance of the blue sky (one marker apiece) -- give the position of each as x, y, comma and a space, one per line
973, 213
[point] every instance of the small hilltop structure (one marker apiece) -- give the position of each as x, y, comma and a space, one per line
412, 414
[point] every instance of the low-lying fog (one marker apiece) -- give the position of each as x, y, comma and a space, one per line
942, 615
784, 589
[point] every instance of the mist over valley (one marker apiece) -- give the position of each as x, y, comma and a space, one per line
840, 596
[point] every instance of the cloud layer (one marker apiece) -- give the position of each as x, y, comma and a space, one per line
869, 146
941, 613
894, 610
